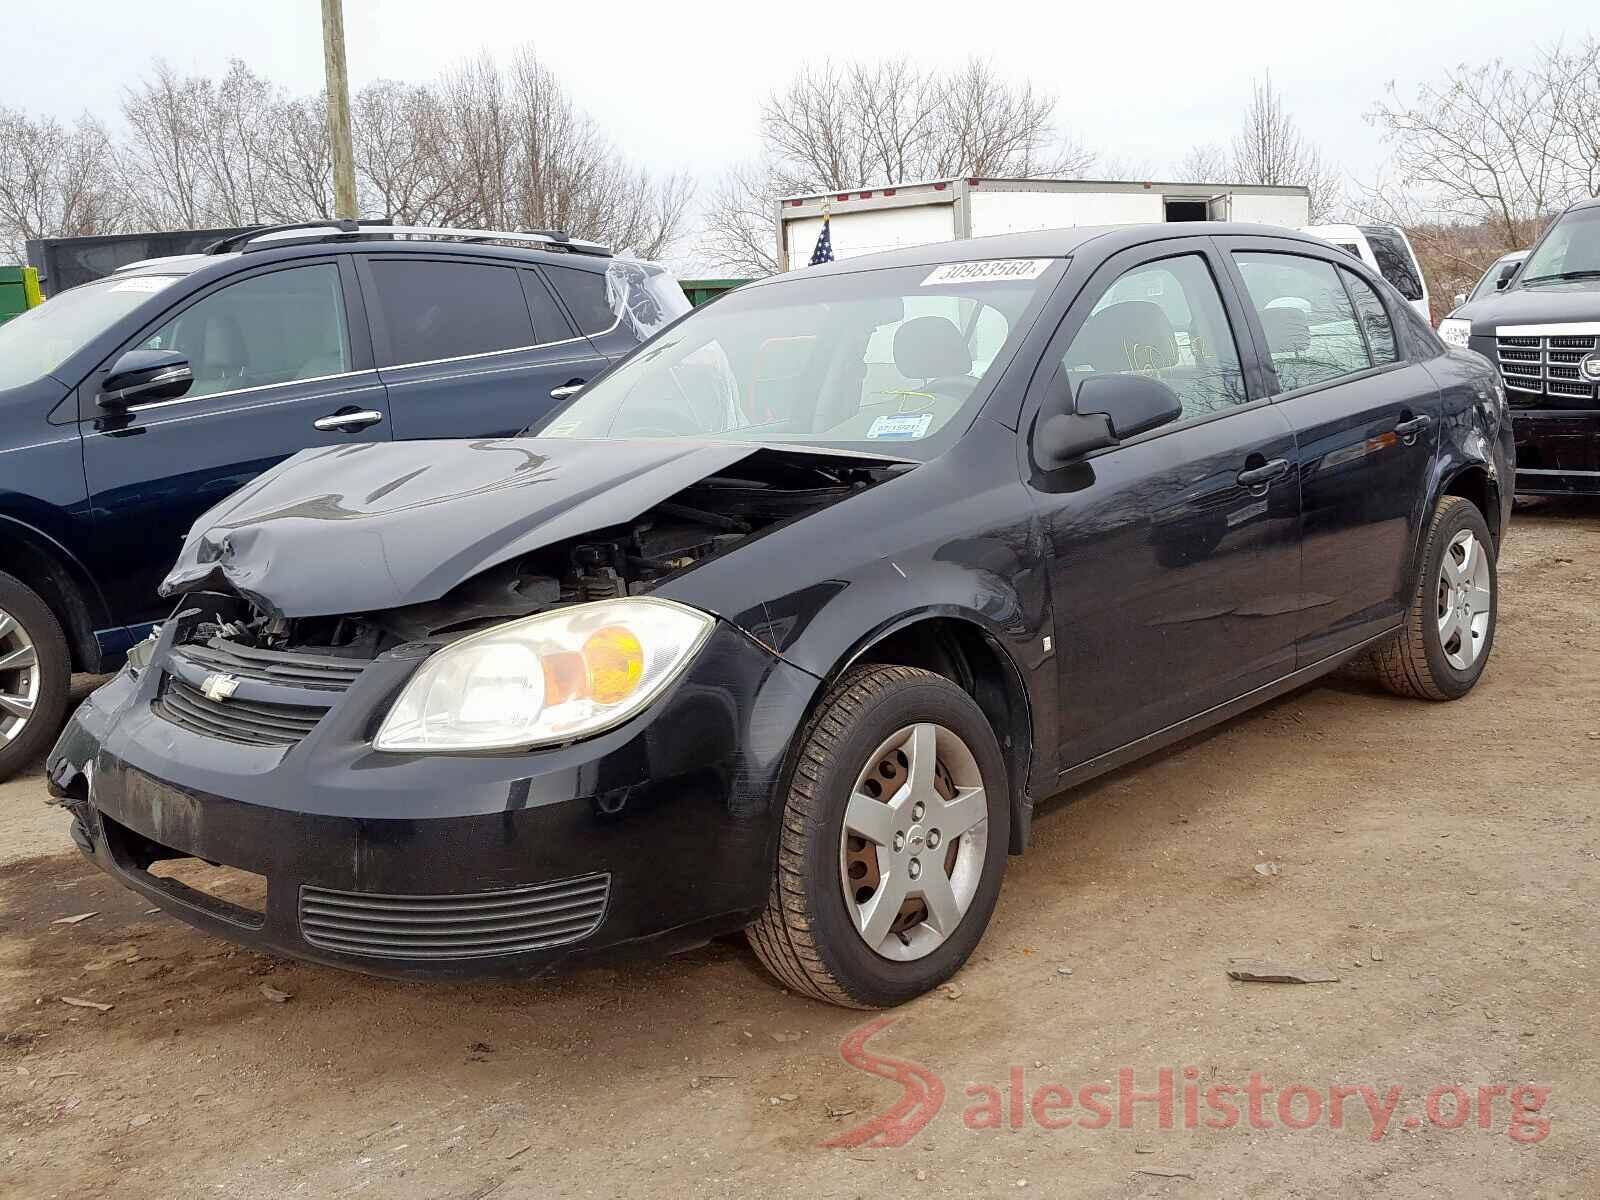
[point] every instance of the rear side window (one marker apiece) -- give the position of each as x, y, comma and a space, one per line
1374, 319
435, 310
1394, 260
1307, 317
268, 329
585, 295
549, 322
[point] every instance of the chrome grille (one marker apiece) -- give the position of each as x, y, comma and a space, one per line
479, 925
245, 722
1546, 366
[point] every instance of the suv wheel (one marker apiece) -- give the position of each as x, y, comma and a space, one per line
1449, 631
35, 675
893, 841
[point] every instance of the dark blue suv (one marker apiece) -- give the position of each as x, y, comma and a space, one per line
131, 405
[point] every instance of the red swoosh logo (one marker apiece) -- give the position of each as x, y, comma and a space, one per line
919, 1102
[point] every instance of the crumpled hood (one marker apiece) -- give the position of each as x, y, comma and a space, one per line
378, 525
1546, 304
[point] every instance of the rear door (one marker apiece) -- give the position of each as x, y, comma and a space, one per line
281, 363
1367, 423
470, 348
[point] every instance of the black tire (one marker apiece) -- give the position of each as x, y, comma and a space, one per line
806, 936
1414, 663
54, 667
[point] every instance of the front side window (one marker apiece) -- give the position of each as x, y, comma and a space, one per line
1164, 320
1374, 319
1394, 260
433, 310
1307, 317
1571, 250
875, 360
268, 329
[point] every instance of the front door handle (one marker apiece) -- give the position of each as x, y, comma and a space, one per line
1252, 477
345, 422
571, 388
1409, 429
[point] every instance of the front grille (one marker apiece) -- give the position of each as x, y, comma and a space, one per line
246, 722
1535, 367
317, 671
478, 925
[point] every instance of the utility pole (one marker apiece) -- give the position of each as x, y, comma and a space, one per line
344, 158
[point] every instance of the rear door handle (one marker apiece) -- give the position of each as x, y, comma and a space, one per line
344, 422
1410, 428
1256, 476
571, 388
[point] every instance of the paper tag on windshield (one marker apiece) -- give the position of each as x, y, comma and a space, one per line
901, 426
143, 283
993, 270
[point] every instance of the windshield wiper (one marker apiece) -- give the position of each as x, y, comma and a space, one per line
1562, 275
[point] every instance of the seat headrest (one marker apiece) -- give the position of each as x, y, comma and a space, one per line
931, 348
1131, 335
1287, 330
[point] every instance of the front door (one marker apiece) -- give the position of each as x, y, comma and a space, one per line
279, 366
1175, 556
1367, 421
470, 348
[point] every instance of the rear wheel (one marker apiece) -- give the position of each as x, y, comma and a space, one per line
893, 843
1449, 630
35, 675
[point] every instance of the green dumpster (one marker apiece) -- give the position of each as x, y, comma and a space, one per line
701, 290
19, 291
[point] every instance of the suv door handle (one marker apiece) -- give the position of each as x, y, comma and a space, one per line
1252, 477
1409, 429
341, 422
571, 388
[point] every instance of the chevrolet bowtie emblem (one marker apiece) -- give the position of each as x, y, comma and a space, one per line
219, 687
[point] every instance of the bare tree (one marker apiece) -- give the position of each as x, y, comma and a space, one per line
1492, 144
55, 181
1206, 164
836, 126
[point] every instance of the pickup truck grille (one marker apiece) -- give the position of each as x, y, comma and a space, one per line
1547, 368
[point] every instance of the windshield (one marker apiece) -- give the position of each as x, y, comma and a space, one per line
875, 360
1571, 250
41, 339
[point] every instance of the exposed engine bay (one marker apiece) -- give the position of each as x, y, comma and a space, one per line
697, 523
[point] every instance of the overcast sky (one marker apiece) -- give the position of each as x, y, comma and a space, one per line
677, 85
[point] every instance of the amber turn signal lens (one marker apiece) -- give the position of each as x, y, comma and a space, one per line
615, 662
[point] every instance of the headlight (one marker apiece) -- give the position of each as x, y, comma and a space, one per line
1454, 332
545, 679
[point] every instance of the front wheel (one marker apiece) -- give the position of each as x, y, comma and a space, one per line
35, 675
893, 841
1444, 645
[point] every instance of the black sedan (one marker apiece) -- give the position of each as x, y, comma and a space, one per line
785, 622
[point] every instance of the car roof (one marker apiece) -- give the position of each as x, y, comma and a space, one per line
1042, 243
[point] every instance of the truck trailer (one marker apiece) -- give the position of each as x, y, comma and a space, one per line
866, 220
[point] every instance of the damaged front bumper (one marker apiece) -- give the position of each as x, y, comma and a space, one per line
653, 836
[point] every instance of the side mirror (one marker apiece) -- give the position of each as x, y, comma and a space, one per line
1131, 404
1109, 409
141, 376
1504, 281
1461, 297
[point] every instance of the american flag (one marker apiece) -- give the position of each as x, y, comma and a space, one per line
824, 251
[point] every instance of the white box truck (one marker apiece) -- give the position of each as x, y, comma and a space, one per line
867, 220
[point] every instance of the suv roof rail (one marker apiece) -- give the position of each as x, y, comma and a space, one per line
336, 230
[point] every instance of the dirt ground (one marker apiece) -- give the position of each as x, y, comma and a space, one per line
1442, 860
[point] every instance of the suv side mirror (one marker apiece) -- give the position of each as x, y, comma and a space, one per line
146, 375
1461, 298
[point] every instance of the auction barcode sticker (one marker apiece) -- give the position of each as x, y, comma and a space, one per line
993, 270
